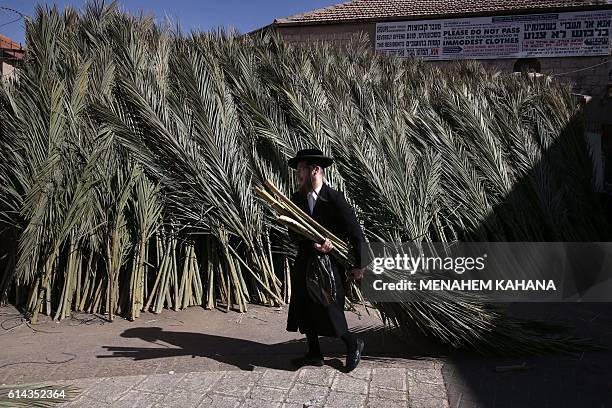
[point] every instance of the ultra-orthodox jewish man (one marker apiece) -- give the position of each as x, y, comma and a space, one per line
318, 281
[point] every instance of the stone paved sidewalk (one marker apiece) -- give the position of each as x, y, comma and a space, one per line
307, 387
198, 357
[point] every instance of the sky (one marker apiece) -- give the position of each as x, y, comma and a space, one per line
244, 15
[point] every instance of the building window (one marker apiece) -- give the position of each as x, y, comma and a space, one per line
527, 65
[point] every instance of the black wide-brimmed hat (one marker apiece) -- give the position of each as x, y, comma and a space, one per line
312, 156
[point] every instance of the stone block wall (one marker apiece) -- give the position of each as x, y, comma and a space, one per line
581, 72
336, 34
7, 70
589, 77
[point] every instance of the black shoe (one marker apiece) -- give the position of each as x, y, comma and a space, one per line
354, 356
308, 360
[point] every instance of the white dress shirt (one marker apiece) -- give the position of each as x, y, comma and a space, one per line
312, 198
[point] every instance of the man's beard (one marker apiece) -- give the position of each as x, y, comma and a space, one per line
306, 187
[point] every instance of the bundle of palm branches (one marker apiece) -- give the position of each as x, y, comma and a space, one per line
131, 152
301, 223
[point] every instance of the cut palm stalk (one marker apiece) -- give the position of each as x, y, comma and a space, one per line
182, 294
78, 278
198, 283
210, 269
298, 211
267, 289
174, 280
299, 228
160, 272
293, 211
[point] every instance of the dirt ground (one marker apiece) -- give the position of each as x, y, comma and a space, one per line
193, 339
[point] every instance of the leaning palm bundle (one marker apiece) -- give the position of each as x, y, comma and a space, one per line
130, 154
489, 331
297, 220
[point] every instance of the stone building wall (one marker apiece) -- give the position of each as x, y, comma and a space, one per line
336, 34
7, 70
589, 77
592, 81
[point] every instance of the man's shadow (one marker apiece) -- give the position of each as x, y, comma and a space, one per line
381, 344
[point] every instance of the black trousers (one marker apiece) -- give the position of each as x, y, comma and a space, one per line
314, 348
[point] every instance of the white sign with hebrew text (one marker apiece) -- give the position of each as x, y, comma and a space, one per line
586, 33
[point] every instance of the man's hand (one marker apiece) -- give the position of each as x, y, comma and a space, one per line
325, 247
357, 274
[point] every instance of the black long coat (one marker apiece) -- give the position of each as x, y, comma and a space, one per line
333, 212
